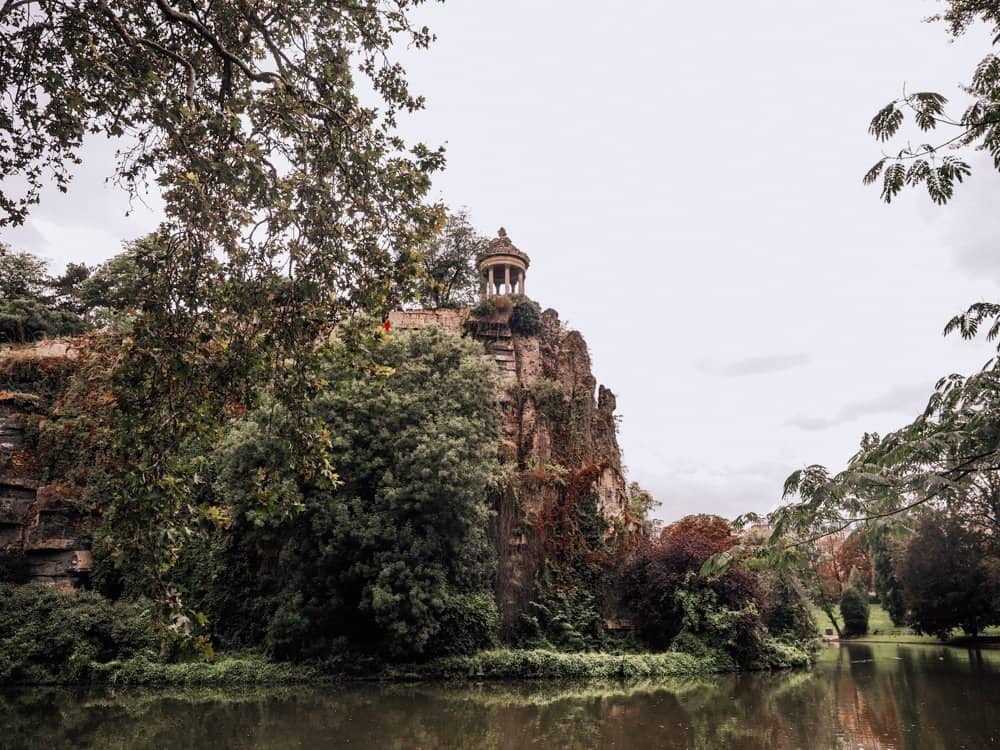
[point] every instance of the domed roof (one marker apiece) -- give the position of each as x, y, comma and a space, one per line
500, 247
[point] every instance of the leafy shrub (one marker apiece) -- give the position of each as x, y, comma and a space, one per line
786, 607
854, 611
526, 317
549, 397
47, 636
485, 309
651, 580
568, 619
725, 625
469, 623
24, 320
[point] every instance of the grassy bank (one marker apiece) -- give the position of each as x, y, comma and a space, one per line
882, 630
246, 669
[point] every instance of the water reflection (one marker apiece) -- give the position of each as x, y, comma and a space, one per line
872, 697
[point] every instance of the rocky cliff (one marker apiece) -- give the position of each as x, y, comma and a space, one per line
41, 525
558, 444
559, 437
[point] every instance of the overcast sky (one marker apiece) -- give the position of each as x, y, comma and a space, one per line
686, 178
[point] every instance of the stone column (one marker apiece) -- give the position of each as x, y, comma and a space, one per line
506, 279
490, 289
521, 290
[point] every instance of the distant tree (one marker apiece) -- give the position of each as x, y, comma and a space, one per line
854, 605
29, 308
22, 275
948, 577
854, 612
853, 560
640, 504
68, 288
698, 536
449, 275
116, 286
888, 588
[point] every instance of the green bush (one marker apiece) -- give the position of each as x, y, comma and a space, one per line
47, 636
550, 398
526, 317
485, 309
469, 623
23, 320
854, 612
787, 610
564, 619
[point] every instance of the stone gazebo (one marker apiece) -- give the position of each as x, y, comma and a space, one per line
502, 267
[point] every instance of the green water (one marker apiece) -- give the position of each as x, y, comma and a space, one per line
876, 697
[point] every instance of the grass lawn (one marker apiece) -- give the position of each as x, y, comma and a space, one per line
880, 628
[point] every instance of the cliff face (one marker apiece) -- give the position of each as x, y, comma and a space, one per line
41, 525
558, 438
558, 431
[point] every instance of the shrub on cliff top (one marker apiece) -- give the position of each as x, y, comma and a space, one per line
485, 309
526, 317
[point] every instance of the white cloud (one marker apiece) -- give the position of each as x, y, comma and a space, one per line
902, 399
762, 365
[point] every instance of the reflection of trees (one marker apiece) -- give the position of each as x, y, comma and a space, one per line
859, 696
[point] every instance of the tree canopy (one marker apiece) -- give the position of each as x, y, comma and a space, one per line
290, 202
449, 275
394, 557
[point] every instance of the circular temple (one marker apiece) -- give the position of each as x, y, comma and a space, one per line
502, 267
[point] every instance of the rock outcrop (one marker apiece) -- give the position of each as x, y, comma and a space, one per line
41, 525
558, 427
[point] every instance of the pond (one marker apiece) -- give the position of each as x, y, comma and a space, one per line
876, 697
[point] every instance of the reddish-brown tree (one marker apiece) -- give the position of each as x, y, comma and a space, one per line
651, 579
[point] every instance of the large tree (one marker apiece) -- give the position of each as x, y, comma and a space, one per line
394, 558
948, 576
449, 275
289, 201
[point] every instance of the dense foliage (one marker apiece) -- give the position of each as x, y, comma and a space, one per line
47, 636
449, 274
34, 305
854, 606
578, 556
949, 573
393, 558
526, 317
290, 203
887, 585
672, 603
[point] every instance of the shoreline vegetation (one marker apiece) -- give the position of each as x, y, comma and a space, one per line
496, 665
50, 638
